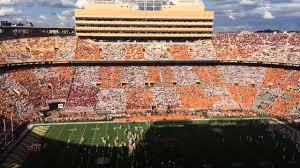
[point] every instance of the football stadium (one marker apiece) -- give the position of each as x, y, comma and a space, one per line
148, 84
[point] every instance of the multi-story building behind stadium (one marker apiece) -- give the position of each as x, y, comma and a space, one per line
144, 19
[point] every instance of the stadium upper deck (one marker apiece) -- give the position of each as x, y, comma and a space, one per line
261, 47
127, 21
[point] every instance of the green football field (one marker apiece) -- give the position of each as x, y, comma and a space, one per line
205, 143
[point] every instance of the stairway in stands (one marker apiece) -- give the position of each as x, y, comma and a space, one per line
19, 153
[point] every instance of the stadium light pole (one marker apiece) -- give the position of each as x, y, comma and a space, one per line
4, 130
17, 96
12, 126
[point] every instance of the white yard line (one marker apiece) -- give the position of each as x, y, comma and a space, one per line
87, 164
72, 132
60, 132
104, 143
48, 132
106, 129
106, 133
83, 132
94, 134
118, 130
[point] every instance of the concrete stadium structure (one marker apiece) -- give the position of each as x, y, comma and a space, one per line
126, 20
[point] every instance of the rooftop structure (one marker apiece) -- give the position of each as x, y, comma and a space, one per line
151, 19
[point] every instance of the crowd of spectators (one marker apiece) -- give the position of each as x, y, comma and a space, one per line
266, 47
37, 49
157, 51
83, 90
269, 47
285, 132
133, 89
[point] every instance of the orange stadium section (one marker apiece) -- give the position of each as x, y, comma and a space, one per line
246, 46
134, 90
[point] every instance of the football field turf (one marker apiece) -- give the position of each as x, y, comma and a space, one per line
203, 143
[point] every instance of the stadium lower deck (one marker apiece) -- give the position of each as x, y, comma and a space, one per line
254, 142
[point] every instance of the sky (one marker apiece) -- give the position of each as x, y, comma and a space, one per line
230, 15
